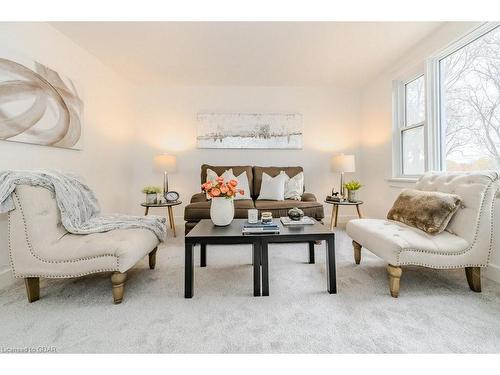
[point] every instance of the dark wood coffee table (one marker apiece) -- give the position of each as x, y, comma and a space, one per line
205, 233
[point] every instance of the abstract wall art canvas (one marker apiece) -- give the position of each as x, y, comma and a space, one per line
249, 130
38, 106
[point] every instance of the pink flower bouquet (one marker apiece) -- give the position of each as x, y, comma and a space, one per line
221, 189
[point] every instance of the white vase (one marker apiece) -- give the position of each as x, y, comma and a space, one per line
351, 195
222, 211
151, 198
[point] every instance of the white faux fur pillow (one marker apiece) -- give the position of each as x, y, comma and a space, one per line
273, 188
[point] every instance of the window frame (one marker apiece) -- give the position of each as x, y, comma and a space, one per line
435, 158
399, 124
436, 155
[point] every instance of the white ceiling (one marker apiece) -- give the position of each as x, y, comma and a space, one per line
342, 54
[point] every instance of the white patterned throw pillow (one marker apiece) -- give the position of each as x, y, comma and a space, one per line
242, 184
294, 187
273, 188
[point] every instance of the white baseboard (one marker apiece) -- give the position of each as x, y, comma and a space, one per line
6, 278
492, 272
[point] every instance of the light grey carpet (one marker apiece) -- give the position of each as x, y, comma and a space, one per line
435, 313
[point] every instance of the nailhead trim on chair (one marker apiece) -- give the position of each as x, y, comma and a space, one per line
33, 253
461, 252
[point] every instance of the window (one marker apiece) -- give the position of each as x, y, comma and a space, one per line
410, 127
449, 118
469, 105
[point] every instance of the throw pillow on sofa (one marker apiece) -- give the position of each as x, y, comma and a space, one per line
229, 175
294, 186
242, 184
273, 188
430, 211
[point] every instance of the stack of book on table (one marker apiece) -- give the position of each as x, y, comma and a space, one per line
259, 228
331, 198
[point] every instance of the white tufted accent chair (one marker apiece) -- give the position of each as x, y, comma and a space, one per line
466, 243
39, 246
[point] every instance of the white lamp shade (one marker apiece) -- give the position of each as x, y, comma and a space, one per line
165, 163
343, 163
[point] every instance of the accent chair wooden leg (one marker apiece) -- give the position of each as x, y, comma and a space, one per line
394, 278
118, 281
357, 252
32, 288
474, 278
152, 259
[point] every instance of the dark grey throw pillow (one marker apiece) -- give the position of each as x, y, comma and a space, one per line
429, 211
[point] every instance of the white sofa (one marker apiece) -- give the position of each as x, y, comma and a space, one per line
39, 246
466, 243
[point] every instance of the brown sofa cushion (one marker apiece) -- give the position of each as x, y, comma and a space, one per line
430, 211
201, 210
273, 172
237, 170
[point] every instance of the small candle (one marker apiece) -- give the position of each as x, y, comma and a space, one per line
266, 217
253, 216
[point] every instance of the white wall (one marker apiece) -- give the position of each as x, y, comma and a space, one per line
108, 121
168, 123
376, 127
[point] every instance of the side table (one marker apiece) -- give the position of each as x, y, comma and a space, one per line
335, 211
169, 206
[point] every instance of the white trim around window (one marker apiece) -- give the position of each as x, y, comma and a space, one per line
400, 125
436, 153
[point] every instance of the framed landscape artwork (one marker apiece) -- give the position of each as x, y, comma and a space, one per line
249, 130
38, 106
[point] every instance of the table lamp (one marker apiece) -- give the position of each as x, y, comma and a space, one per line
343, 164
165, 163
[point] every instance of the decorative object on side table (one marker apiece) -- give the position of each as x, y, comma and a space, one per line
222, 194
165, 163
170, 212
343, 164
333, 198
352, 187
295, 214
151, 194
172, 196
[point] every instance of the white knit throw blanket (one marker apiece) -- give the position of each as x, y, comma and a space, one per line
77, 203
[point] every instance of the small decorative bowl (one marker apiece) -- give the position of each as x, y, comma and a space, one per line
295, 214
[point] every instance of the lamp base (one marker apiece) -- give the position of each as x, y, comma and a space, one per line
341, 191
165, 184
